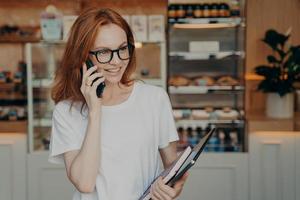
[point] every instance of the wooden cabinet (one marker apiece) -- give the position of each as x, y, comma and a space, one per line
12, 166
47, 181
218, 176
274, 166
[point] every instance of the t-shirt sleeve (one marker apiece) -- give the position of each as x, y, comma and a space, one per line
167, 128
64, 136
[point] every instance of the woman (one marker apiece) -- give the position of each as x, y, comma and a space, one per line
110, 145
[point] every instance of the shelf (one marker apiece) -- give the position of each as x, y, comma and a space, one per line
53, 41
202, 89
13, 126
9, 86
203, 123
11, 96
45, 83
17, 39
206, 23
206, 55
13, 99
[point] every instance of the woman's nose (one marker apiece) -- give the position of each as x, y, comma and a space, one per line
115, 59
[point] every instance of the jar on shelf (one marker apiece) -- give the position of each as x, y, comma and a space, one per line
12, 114
235, 10
183, 138
206, 10
180, 11
189, 11
198, 11
172, 11
214, 10
224, 10
221, 136
199, 132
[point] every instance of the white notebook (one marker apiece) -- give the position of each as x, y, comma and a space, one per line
183, 163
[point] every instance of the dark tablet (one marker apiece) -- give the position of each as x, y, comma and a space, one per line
192, 158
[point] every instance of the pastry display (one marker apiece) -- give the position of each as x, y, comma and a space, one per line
227, 81
209, 109
181, 114
227, 114
179, 81
204, 81
186, 113
177, 114
200, 114
227, 109
207, 85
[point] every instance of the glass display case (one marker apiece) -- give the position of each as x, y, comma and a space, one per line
206, 73
43, 58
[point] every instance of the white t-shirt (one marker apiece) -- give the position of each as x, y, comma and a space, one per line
131, 135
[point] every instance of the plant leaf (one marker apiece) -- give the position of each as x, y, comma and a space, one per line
271, 39
282, 38
281, 53
295, 56
272, 59
268, 72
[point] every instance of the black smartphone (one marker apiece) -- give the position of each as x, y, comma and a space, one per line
100, 87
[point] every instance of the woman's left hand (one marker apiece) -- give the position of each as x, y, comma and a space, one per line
160, 191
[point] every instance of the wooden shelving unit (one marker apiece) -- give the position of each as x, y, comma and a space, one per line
18, 126
7, 92
17, 39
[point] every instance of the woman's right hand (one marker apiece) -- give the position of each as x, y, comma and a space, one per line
89, 90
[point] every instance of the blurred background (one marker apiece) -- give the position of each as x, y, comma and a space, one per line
230, 64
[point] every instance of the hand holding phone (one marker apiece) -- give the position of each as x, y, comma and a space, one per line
101, 86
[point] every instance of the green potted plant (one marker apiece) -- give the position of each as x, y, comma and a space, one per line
280, 75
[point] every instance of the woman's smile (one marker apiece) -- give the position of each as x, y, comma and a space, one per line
113, 71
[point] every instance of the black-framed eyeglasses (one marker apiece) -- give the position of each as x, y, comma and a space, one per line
104, 56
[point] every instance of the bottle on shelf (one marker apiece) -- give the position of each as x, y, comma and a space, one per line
235, 10
198, 11
189, 11
180, 134
221, 136
180, 11
213, 142
192, 136
206, 10
224, 10
214, 10
12, 115
234, 140
199, 133
172, 11
203, 10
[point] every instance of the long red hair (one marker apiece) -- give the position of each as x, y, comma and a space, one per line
81, 39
